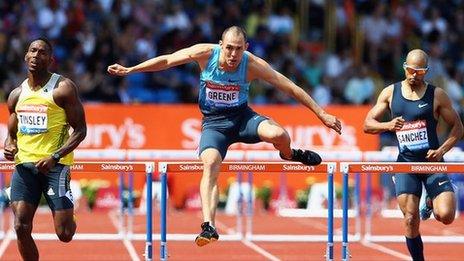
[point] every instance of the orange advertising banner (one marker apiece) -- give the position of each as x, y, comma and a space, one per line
120, 126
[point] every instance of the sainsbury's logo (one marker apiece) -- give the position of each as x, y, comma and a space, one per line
414, 125
117, 167
376, 168
289, 167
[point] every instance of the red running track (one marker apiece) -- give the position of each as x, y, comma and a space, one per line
264, 223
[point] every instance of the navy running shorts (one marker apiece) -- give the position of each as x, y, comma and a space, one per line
411, 183
221, 131
27, 184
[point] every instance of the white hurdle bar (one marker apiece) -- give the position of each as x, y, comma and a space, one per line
234, 167
397, 168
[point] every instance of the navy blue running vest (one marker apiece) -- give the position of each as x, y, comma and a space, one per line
419, 133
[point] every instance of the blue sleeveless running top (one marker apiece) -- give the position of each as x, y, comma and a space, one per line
419, 133
221, 92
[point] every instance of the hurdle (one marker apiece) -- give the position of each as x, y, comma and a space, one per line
355, 213
398, 168
99, 167
227, 167
390, 154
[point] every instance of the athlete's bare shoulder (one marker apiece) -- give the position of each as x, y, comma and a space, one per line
440, 91
201, 51
388, 89
204, 47
14, 94
65, 84
258, 68
386, 94
13, 98
441, 97
254, 59
65, 91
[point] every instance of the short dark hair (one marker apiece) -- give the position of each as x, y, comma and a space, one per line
46, 41
236, 30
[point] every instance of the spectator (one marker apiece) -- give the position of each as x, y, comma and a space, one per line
360, 88
120, 30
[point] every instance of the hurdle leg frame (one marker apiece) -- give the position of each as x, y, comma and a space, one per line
164, 181
357, 203
121, 201
130, 205
345, 251
368, 224
240, 204
249, 224
149, 210
330, 215
2, 207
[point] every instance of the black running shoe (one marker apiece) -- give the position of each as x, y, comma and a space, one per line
306, 157
207, 235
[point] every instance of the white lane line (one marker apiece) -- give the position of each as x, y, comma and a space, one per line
127, 243
260, 250
312, 224
247, 243
130, 248
223, 226
386, 250
6, 242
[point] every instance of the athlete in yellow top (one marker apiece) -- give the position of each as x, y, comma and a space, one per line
42, 110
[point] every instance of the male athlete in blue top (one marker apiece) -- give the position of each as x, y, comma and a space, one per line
226, 72
415, 107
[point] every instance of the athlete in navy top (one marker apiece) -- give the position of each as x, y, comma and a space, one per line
226, 72
415, 107
419, 131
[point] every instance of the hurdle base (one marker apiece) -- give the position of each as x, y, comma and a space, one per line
298, 238
322, 213
188, 237
77, 236
425, 239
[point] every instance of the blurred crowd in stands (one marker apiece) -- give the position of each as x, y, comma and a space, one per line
367, 52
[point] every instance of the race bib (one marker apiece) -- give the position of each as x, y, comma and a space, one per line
413, 136
222, 95
32, 119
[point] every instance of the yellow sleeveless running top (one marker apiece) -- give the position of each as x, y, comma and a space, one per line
42, 124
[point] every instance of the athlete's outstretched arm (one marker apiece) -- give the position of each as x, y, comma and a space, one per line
372, 124
194, 53
260, 69
11, 147
451, 117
